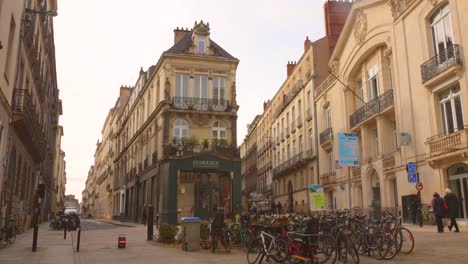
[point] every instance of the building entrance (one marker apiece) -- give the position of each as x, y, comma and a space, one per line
458, 183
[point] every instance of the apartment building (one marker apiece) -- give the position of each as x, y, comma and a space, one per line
30, 108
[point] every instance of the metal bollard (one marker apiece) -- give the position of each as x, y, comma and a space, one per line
78, 240
65, 230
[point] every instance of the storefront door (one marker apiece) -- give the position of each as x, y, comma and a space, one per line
205, 200
459, 185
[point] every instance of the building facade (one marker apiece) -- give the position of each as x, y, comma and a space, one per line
175, 136
30, 86
401, 88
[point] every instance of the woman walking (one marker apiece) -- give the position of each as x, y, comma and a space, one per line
453, 205
439, 211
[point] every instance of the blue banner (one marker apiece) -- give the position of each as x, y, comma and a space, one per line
348, 149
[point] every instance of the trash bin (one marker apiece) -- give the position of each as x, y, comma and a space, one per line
190, 233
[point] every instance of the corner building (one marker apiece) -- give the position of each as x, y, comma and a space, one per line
177, 146
405, 96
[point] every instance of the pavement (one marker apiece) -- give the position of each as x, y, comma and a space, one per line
99, 245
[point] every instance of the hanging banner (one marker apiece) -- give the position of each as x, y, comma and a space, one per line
348, 150
316, 197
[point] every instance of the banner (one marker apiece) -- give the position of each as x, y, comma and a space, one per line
316, 197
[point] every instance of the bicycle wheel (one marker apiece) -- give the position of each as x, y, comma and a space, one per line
52, 226
204, 244
255, 251
326, 250
394, 241
419, 218
352, 255
3, 241
407, 241
378, 245
213, 243
346, 251
280, 252
11, 235
227, 241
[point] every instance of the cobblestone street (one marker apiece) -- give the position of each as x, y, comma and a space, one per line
99, 245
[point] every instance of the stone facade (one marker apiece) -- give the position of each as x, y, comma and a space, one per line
30, 109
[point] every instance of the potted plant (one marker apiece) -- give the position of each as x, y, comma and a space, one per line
205, 144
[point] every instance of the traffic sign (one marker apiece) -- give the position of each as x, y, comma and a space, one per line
419, 186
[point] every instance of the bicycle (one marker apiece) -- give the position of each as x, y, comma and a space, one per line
220, 234
268, 245
8, 233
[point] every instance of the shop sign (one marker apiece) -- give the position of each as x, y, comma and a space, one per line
205, 164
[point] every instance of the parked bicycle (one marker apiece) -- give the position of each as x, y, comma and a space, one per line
8, 232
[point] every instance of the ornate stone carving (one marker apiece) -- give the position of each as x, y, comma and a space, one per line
233, 93
335, 67
360, 27
167, 89
433, 2
395, 7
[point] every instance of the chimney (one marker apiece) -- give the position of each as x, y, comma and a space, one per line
307, 44
290, 67
336, 13
179, 34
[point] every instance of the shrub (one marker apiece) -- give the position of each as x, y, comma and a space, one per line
167, 233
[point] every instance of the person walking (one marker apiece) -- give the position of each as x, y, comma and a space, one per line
439, 211
453, 205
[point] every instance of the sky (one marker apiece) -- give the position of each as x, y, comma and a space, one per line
102, 44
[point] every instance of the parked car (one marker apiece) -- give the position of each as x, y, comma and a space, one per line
71, 210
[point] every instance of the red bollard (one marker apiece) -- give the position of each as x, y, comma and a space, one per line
121, 241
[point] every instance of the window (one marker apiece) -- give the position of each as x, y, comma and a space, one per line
219, 130
373, 83
219, 90
441, 30
201, 92
311, 139
289, 151
294, 148
328, 116
181, 130
451, 110
360, 93
395, 135
376, 141
287, 123
201, 44
300, 144
9, 55
293, 115
330, 161
299, 111
181, 92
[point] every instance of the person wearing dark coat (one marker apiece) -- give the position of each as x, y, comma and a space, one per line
439, 211
453, 205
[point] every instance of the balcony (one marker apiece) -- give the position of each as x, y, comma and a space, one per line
388, 161
26, 122
308, 114
372, 108
447, 145
299, 122
326, 136
200, 104
292, 163
328, 178
179, 150
440, 63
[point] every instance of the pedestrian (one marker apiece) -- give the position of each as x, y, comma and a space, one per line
453, 205
439, 211
144, 215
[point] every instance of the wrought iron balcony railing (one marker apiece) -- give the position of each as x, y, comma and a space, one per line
440, 62
375, 106
293, 162
326, 135
200, 104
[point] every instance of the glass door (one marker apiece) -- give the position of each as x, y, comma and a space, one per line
459, 186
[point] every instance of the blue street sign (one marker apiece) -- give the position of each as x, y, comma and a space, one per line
413, 178
412, 172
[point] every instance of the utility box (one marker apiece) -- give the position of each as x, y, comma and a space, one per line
190, 233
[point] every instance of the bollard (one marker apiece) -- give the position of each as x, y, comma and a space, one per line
150, 222
65, 230
121, 241
78, 240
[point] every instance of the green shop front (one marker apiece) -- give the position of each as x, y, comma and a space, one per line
199, 186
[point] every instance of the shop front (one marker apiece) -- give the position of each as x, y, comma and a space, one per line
458, 183
199, 186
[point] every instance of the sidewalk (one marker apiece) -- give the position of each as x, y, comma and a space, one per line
51, 248
118, 223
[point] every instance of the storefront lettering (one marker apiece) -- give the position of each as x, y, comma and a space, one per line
205, 164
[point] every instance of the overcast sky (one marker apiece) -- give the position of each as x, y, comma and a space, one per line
101, 45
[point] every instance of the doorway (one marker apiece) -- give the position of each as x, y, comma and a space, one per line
458, 183
290, 197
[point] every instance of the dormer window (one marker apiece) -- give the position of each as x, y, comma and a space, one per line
201, 44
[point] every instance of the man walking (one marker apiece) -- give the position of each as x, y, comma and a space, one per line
453, 205
439, 211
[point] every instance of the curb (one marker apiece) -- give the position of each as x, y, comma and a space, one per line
115, 223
